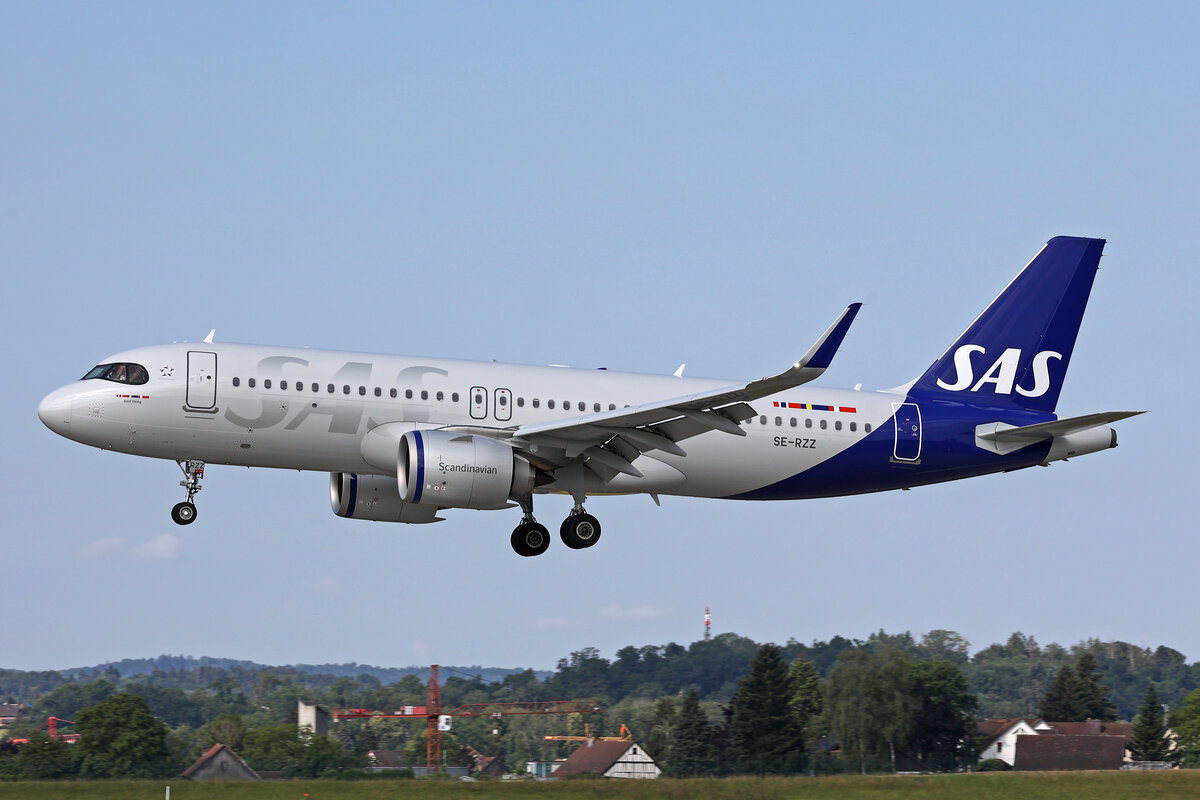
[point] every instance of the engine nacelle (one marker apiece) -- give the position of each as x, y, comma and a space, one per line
374, 497
456, 470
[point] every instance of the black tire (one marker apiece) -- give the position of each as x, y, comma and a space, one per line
579, 531
183, 513
530, 539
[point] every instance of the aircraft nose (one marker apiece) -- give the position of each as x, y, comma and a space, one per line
55, 410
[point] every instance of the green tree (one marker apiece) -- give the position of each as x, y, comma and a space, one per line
1149, 741
869, 703
940, 645
1091, 694
805, 697
1185, 723
43, 758
944, 715
1060, 703
271, 747
662, 726
691, 745
227, 729
120, 738
764, 735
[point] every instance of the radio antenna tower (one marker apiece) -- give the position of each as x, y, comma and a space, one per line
707, 624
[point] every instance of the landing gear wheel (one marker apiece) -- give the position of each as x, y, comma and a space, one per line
530, 539
579, 531
183, 513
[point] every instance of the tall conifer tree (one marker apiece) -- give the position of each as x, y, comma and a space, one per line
1149, 741
1059, 702
763, 733
1091, 694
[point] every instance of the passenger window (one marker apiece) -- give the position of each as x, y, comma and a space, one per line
283, 384
441, 396
330, 388
566, 405
424, 394
299, 386
454, 397
520, 402
596, 407
536, 402
378, 392
392, 392
237, 381
612, 406
762, 420
345, 388
316, 387
408, 394
867, 427
837, 426
266, 383
503, 400
250, 383
824, 424
808, 423
853, 426
793, 422
549, 404
778, 422
362, 391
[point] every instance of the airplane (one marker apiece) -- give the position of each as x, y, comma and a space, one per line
405, 439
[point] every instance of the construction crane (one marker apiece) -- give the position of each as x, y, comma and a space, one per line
51, 727
626, 736
438, 719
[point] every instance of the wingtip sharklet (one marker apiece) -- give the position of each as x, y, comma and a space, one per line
821, 354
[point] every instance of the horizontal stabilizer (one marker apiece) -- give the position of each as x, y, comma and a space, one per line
1003, 438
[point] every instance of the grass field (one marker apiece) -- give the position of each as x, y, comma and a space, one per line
985, 786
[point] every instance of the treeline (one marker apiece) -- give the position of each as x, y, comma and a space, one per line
689, 705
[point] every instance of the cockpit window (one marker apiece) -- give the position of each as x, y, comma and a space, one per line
118, 373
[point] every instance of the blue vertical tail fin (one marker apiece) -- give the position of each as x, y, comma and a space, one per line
1017, 351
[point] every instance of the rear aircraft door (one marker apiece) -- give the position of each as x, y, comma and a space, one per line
202, 379
908, 431
479, 402
503, 406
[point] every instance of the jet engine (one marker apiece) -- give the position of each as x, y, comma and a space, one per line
374, 497
454, 470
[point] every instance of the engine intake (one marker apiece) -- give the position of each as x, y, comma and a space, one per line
454, 470
374, 497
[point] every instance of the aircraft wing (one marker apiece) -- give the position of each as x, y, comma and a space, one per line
609, 441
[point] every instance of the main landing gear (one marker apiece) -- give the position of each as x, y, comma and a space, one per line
531, 538
193, 471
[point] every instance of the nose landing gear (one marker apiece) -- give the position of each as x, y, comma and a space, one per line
193, 471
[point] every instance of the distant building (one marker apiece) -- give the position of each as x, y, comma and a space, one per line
620, 759
10, 711
1034, 744
219, 764
312, 718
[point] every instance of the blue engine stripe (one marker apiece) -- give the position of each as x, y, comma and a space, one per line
420, 466
353, 495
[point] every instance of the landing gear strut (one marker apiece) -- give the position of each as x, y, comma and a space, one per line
193, 471
530, 538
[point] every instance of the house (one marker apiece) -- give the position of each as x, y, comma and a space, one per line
619, 759
1001, 736
10, 711
219, 764
1035, 744
489, 765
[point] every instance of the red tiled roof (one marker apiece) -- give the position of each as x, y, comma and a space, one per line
1092, 727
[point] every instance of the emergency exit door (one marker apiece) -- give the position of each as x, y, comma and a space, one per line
907, 417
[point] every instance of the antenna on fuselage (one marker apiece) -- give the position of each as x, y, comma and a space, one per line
208, 339
679, 372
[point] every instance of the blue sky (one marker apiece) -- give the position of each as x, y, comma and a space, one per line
624, 185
